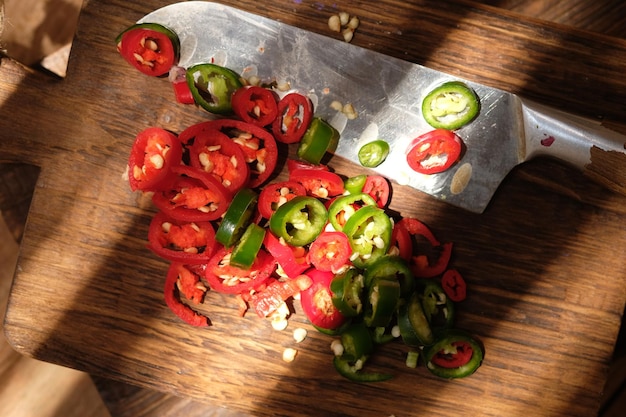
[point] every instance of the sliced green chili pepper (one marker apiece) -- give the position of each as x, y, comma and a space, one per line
299, 220
438, 307
450, 106
237, 217
212, 87
394, 268
245, 251
318, 139
354, 185
369, 231
455, 355
343, 207
373, 153
383, 299
347, 289
357, 347
382, 335
414, 327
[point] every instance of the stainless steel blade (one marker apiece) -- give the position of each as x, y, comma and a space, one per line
386, 93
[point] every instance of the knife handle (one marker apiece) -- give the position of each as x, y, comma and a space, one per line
600, 153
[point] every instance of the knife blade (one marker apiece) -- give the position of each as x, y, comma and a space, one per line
386, 93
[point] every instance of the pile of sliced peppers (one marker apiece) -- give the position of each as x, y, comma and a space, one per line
225, 223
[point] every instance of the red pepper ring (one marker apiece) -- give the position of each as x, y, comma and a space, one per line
454, 285
255, 105
257, 144
154, 153
216, 154
229, 279
149, 47
295, 112
434, 151
378, 187
420, 264
275, 194
179, 241
196, 196
172, 296
330, 251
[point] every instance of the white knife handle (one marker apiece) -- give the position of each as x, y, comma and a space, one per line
600, 153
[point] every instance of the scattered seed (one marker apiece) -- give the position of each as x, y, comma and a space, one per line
334, 23
299, 334
336, 347
289, 354
344, 17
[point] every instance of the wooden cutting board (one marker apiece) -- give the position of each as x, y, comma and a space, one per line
544, 264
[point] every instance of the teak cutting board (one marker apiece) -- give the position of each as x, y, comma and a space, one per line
544, 263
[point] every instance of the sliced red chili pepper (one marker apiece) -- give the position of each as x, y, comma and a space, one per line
267, 300
330, 251
293, 164
149, 47
182, 93
257, 144
216, 154
176, 273
255, 105
421, 265
276, 194
295, 112
434, 151
154, 153
401, 241
454, 285
318, 183
317, 302
292, 259
186, 242
378, 187
226, 278
195, 196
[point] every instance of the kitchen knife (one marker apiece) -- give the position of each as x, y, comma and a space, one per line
387, 94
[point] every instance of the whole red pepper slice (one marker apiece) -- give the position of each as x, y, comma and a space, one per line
454, 285
179, 241
275, 194
317, 302
216, 154
154, 153
255, 105
257, 144
318, 183
179, 276
295, 112
195, 196
149, 47
420, 264
229, 279
434, 151
330, 251
377, 186
292, 259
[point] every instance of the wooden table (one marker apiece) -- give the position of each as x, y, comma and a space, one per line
545, 262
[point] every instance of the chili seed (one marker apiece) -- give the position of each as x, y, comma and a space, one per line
334, 23
279, 323
289, 354
137, 172
354, 23
336, 347
157, 160
299, 334
348, 34
151, 45
192, 250
166, 226
343, 18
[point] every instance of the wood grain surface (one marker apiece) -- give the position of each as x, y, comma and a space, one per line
544, 263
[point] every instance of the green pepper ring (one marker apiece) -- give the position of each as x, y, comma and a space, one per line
214, 102
466, 115
446, 339
245, 251
373, 153
314, 216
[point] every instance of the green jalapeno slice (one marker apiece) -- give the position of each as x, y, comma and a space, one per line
343, 207
369, 232
318, 139
300, 220
245, 251
391, 267
347, 289
212, 87
373, 153
237, 217
382, 302
450, 106
454, 355
437, 306
414, 327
